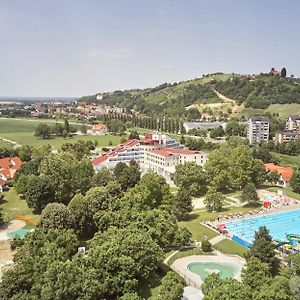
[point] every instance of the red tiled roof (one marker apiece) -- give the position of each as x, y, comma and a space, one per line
98, 127
171, 151
8, 162
9, 166
285, 172
99, 160
2, 182
5, 163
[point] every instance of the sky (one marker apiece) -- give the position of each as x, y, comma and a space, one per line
81, 47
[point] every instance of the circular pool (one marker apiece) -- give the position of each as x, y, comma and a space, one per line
204, 269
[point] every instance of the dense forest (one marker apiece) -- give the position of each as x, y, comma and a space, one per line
173, 99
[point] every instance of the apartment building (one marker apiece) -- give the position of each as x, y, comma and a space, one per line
293, 123
258, 130
292, 130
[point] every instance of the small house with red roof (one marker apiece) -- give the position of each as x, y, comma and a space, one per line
285, 173
8, 167
98, 129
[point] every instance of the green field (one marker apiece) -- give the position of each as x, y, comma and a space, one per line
4, 144
12, 205
197, 230
230, 247
291, 160
22, 132
283, 110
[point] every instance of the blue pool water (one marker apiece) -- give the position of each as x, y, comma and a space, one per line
279, 225
20, 233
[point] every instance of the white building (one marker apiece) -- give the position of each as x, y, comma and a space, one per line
258, 130
203, 125
163, 161
156, 153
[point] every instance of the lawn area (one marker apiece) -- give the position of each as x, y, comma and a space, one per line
284, 110
185, 253
288, 159
12, 205
22, 132
198, 230
230, 247
4, 144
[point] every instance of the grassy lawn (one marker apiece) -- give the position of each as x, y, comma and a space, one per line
12, 205
185, 253
22, 132
230, 247
4, 144
197, 230
284, 109
288, 159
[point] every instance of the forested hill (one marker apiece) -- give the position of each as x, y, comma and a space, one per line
172, 99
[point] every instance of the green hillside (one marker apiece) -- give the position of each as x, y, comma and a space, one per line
173, 100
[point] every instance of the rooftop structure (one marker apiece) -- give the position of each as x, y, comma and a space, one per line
285, 173
8, 167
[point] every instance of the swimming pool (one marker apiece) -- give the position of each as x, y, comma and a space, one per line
204, 269
279, 224
20, 233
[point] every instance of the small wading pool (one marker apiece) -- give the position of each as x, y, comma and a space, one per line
20, 233
204, 269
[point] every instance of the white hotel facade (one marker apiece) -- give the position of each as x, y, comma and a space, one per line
157, 153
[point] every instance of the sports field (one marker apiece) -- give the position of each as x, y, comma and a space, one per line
21, 131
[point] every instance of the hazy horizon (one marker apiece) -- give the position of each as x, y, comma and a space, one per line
73, 47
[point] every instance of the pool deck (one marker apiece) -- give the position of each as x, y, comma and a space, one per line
10, 227
181, 266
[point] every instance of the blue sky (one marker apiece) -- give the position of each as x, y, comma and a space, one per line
74, 48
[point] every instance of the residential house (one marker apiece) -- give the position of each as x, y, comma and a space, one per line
98, 129
8, 167
284, 172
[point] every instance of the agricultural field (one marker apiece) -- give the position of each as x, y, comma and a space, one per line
21, 131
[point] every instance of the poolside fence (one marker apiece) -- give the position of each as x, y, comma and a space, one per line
186, 277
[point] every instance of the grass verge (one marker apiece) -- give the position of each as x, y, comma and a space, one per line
230, 247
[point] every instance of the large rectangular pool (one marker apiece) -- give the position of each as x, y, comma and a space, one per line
279, 224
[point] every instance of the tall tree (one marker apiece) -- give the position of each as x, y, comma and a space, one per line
183, 204
249, 194
213, 200
191, 177
262, 248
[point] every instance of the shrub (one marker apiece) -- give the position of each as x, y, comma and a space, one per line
206, 246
